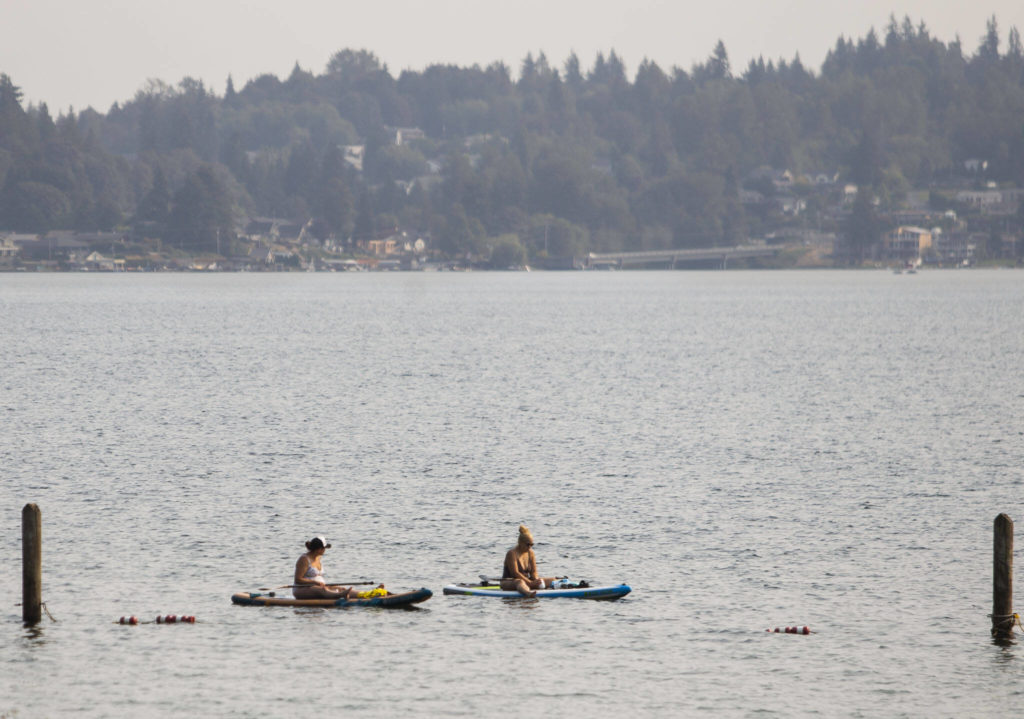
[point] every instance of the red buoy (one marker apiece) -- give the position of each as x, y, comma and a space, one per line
133, 619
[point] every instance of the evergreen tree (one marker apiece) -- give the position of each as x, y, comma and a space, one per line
988, 51
364, 224
573, 75
200, 218
861, 230
155, 205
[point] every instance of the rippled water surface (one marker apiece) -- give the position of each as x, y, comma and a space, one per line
747, 450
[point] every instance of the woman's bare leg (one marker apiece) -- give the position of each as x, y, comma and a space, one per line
518, 585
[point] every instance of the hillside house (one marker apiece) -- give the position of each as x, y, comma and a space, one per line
975, 164
906, 243
405, 135
353, 155
981, 200
790, 206
955, 248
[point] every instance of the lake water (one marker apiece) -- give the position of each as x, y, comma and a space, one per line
746, 449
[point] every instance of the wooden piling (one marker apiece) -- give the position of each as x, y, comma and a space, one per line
32, 564
1002, 579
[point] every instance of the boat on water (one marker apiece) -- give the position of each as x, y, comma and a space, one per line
608, 592
388, 601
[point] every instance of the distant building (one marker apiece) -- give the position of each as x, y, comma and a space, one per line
975, 165
791, 206
55, 245
353, 155
407, 134
906, 243
90, 239
8, 253
913, 217
980, 199
380, 248
96, 261
954, 247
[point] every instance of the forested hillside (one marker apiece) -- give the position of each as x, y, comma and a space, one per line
555, 158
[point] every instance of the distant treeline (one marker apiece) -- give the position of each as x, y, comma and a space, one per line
560, 159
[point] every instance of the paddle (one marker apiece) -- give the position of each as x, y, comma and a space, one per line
497, 580
331, 584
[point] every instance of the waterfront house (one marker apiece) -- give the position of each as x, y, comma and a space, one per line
8, 253
381, 247
906, 243
96, 261
955, 248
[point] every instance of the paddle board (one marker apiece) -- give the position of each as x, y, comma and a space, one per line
254, 599
614, 591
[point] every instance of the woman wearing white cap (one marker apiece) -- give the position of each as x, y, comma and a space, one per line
309, 575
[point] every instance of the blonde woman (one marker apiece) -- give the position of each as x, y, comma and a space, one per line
520, 571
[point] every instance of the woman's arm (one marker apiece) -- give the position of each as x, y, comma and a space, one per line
300, 569
300, 573
533, 565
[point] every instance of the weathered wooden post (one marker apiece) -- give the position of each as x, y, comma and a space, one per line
32, 564
1002, 579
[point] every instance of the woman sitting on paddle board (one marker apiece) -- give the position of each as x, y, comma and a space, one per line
309, 575
520, 571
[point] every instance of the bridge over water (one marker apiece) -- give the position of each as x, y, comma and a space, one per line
721, 255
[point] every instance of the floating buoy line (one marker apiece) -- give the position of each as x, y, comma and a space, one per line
790, 630
167, 619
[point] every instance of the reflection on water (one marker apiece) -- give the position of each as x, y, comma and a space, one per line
34, 636
712, 439
1007, 646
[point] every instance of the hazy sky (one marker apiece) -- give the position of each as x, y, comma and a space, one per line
80, 53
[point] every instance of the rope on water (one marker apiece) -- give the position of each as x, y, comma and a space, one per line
45, 609
1000, 620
